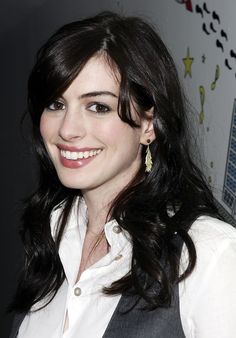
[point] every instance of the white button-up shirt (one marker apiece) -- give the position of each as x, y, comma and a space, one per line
207, 297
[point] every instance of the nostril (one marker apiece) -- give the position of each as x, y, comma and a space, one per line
72, 126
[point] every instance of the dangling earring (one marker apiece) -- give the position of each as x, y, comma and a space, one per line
148, 158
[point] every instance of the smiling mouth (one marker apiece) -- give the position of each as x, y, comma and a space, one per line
78, 155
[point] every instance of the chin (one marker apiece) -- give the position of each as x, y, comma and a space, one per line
69, 182
73, 184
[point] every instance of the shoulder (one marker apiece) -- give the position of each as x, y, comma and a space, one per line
213, 239
215, 243
208, 295
211, 234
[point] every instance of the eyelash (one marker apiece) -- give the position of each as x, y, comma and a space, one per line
100, 108
56, 105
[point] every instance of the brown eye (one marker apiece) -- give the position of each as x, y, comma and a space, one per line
56, 105
99, 108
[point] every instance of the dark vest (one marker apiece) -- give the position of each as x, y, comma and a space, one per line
137, 323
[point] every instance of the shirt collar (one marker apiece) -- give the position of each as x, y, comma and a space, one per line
72, 241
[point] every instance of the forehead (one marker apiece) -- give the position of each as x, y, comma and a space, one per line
96, 75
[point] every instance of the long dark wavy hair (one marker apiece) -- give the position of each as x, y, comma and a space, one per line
155, 208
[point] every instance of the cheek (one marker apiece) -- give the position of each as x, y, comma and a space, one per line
46, 127
107, 132
124, 139
43, 126
117, 132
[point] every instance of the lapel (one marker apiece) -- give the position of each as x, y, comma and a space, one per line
130, 320
121, 318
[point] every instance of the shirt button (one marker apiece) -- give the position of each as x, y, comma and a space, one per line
77, 291
118, 257
117, 229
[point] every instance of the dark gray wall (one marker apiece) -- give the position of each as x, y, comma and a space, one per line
16, 164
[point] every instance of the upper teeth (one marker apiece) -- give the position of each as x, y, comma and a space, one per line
75, 155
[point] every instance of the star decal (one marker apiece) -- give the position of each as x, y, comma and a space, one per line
188, 63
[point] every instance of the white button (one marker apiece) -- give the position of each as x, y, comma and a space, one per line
77, 291
117, 229
118, 257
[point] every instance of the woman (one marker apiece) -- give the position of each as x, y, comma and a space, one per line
119, 236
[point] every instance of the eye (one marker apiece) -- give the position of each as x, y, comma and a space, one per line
99, 108
56, 105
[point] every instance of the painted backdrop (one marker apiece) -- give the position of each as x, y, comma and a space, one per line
201, 36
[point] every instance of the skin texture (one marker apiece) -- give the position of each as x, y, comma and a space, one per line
81, 119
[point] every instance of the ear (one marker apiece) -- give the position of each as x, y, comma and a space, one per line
147, 130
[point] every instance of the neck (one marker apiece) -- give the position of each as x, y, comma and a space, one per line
98, 209
99, 199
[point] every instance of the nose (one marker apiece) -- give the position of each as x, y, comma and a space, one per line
72, 125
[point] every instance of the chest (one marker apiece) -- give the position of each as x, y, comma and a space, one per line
136, 323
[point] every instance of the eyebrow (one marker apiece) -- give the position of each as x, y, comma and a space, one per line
97, 93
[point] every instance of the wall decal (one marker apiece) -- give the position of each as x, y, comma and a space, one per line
217, 75
188, 60
199, 10
227, 64
232, 54
202, 101
224, 35
216, 17
212, 27
229, 188
203, 58
204, 28
219, 45
205, 8
188, 4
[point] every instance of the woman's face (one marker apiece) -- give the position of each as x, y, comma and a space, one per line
89, 145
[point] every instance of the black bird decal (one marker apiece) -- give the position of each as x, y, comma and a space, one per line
205, 29
212, 27
232, 54
227, 64
199, 10
224, 35
215, 16
219, 45
205, 8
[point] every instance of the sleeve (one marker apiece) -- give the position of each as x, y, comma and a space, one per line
208, 296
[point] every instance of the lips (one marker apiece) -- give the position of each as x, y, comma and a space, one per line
71, 157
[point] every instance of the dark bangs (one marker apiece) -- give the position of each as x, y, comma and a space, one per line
58, 63
64, 55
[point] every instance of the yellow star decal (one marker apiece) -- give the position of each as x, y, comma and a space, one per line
188, 63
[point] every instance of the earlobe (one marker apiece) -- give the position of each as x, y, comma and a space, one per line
148, 129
